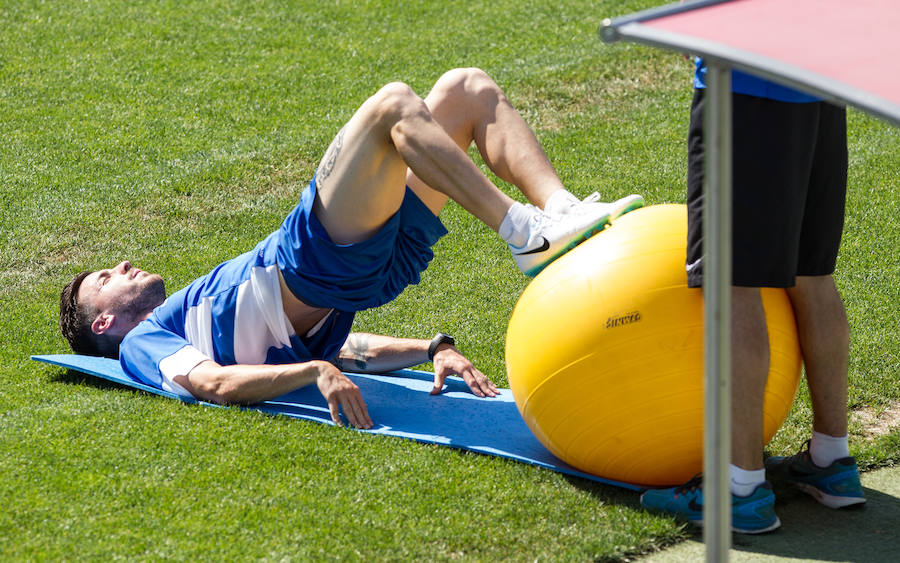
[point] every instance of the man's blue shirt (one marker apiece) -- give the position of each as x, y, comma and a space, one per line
743, 83
232, 315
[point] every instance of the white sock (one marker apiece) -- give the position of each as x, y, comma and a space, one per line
825, 450
744, 482
559, 200
514, 227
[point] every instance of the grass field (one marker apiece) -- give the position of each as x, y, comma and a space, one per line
178, 134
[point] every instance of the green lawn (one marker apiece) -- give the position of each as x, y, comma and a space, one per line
178, 134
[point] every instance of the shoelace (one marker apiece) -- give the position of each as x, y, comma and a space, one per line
694, 483
539, 219
578, 207
804, 449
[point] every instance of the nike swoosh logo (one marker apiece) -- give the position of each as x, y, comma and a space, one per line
693, 264
544, 246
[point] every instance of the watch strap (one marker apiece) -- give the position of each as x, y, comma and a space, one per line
439, 338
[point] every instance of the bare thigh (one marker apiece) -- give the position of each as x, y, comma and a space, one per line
361, 180
447, 103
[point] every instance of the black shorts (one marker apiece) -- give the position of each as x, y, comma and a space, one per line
789, 170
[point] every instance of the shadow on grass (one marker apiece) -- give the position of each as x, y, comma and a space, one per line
606, 493
870, 532
74, 377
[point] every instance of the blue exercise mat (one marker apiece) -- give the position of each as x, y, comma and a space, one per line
400, 405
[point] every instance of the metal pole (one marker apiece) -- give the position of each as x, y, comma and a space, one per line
717, 312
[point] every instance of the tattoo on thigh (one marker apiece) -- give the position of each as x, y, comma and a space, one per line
327, 166
359, 350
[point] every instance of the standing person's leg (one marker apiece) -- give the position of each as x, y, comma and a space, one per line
825, 469
749, 368
763, 256
772, 162
821, 319
825, 341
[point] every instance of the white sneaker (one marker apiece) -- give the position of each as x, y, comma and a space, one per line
551, 236
591, 205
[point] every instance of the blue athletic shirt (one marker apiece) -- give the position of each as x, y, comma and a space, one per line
743, 83
233, 315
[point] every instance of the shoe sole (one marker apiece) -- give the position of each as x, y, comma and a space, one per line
699, 523
631, 202
830, 501
586, 234
774, 526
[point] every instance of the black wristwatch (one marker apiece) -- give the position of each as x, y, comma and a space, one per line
439, 338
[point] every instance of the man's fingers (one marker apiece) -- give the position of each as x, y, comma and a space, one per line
480, 385
489, 389
439, 378
354, 409
335, 410
474, 385
357, 412
343, 394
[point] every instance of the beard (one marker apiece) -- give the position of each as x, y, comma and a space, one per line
151, 295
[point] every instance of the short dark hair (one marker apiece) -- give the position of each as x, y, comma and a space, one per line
75, 321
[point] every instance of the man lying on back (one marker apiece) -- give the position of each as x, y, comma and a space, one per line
279, 316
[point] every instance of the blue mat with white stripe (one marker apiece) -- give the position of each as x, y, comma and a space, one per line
400, 405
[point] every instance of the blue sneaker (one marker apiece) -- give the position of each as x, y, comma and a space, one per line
753, 514
835, 486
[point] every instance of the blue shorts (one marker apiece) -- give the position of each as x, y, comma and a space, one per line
353, 277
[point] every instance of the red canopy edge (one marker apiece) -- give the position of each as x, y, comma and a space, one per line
845, 52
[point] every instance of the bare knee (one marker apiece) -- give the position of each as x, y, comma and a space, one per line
745, 298
816, 300
467, 83
815, 291
817, 286
394, 102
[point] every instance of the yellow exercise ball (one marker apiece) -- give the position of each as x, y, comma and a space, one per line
604, 354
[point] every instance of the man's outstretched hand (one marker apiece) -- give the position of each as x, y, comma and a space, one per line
448, 361
341, 393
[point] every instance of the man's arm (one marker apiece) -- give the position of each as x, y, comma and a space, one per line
374, 353
247, 384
